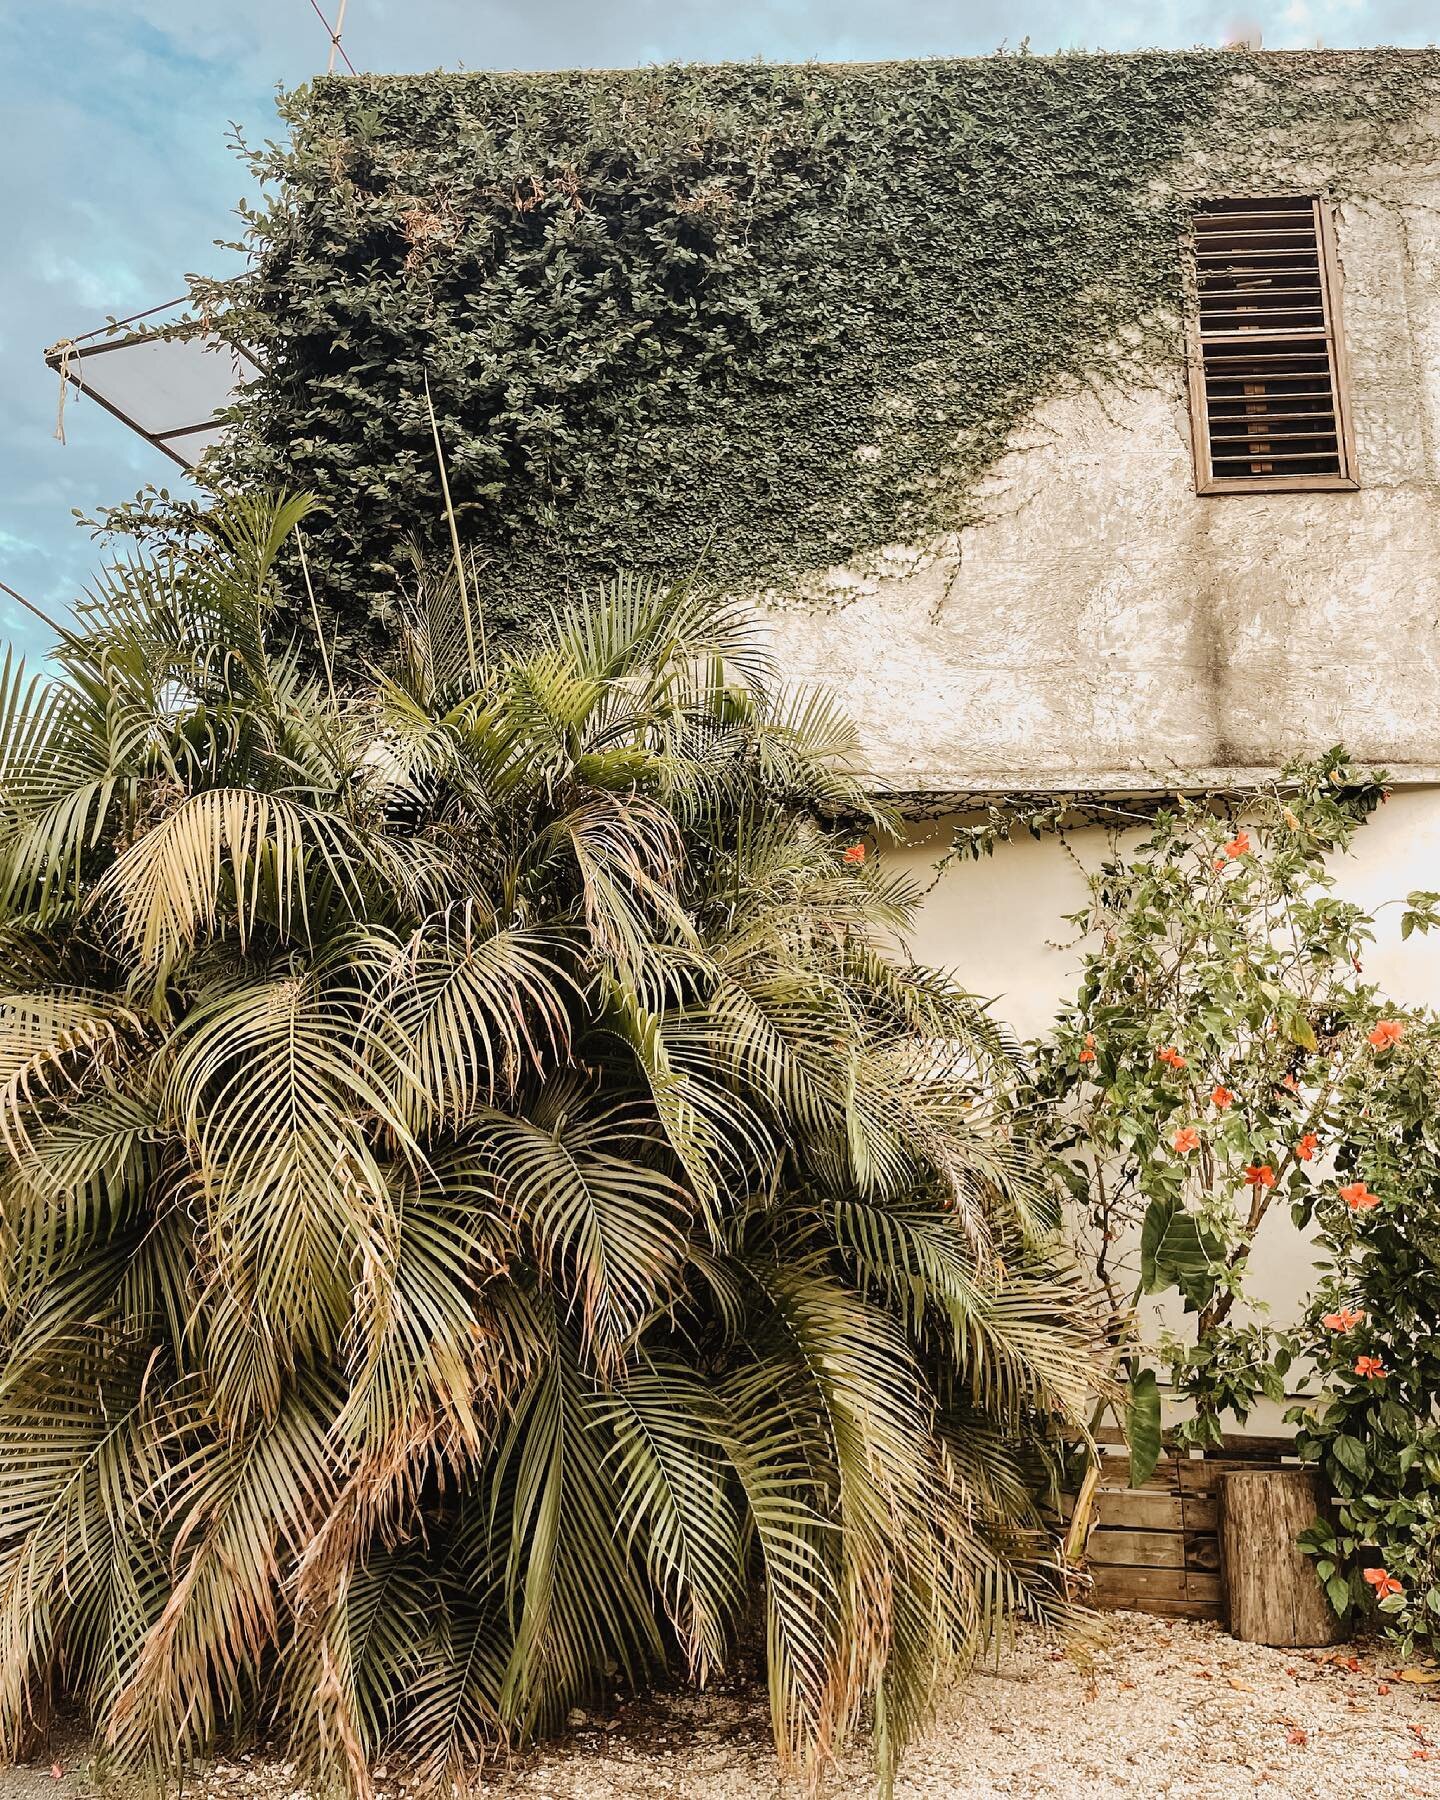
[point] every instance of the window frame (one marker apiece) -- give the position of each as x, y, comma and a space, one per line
1207, 483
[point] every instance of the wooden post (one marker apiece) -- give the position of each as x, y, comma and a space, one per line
1274, 1594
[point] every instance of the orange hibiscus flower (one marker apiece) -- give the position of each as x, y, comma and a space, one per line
1259, 1175
1346, 1319
1239, 845
1358, 1197
1386, 1033
1171, 1056
1088, 1053
1186, 1139
1383, 1582
1221, 1099
1307, 1146
855, 854
1370, 1367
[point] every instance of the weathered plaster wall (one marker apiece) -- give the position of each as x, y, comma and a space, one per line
1106, 627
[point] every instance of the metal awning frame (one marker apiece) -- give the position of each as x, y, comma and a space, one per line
67, 359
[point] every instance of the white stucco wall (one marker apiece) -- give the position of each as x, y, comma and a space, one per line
999, 923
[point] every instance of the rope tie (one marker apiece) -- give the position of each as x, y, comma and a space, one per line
66, 347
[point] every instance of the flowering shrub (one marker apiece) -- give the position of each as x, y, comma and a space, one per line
1217, 1057
1226, 1054
1191, 1083
1372, 1332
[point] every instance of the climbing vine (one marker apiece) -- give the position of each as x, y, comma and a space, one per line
774, 317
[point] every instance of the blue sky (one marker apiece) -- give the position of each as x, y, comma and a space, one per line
119, 177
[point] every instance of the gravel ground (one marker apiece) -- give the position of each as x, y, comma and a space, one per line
1155, 1709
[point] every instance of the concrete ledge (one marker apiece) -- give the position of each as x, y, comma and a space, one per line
959, 790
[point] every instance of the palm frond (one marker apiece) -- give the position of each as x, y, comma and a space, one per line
485, 1199
674, 1505
471, 1009
224, 858
277, 1086
247, 1507
607, 1224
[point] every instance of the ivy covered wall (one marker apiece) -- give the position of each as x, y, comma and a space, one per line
771, 317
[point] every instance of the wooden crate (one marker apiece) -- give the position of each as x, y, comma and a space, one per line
1156, 1548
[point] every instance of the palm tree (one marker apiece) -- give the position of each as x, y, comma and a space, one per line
489, 1215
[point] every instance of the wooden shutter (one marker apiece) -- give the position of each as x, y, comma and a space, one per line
1268, 402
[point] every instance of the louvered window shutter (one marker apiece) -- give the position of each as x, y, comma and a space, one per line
1267, 390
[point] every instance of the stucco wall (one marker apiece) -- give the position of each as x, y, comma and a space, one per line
1106, 627
999, 923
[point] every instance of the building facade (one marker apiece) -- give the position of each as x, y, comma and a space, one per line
1076, 419
1120, 622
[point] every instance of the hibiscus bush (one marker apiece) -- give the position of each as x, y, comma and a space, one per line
1371, 1331
1225, 1055
1190, 1084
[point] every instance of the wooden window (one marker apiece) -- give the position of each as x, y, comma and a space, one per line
1268, 403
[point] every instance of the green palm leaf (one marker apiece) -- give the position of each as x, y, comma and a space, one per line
607, 1225
272, 1089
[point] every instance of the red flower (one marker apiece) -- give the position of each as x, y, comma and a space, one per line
1346, 1319
1386, 1033
1358, 1197
1221, 1099
1370, 1367
855, 854
1307, 1146
1088, 1053
1259, 1175
1383, 1582
1186, 1139
1219, 864
1239, 845
1171, 1056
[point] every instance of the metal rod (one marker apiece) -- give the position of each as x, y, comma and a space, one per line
335, 44
335, 35
31, 607
115, 324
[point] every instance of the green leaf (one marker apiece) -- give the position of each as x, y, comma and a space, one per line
1173, 1253
1337, 1589
1349, 1452
1142, 1425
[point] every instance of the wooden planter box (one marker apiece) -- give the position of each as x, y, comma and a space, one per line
1156, 1548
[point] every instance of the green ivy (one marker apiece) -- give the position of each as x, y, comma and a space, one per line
771, 317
